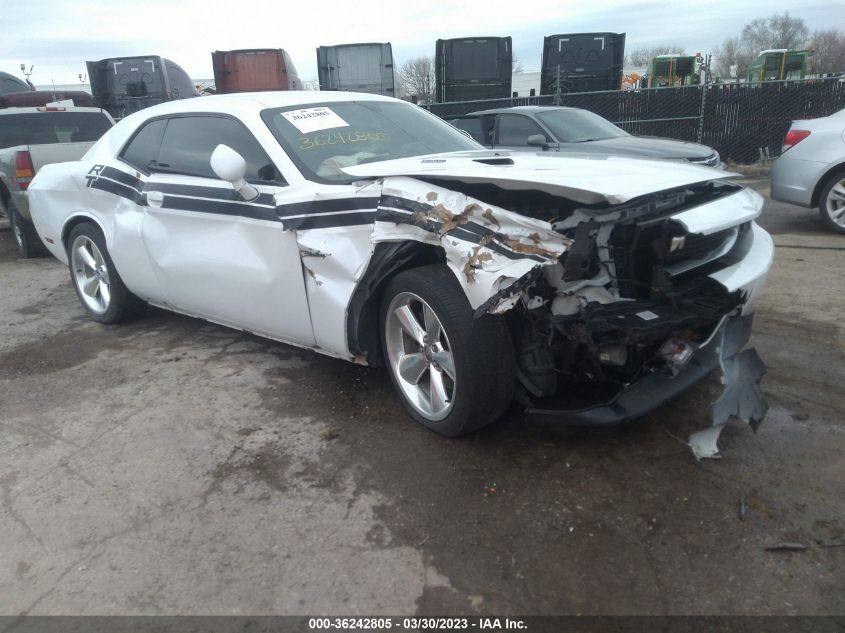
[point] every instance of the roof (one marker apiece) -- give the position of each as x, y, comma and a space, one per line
240, 101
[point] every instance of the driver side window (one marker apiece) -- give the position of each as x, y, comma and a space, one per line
184, 144
514, 130
190, 140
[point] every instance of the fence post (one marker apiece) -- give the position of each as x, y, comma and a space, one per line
700, 134
557, 85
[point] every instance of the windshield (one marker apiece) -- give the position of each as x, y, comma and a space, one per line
37, 128
323, 138
579, 126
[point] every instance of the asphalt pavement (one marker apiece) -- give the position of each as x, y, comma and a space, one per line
171, 466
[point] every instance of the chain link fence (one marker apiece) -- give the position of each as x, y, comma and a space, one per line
745, 123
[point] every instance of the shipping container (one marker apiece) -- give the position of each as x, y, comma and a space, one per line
123, 85
582, 62
254, 70
10, 83
357, 68
470, 68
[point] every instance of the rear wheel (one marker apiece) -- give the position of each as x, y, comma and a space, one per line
27, 242
454, 373
832, 203
100, 289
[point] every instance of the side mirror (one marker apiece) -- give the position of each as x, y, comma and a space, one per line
231, 167
537, 140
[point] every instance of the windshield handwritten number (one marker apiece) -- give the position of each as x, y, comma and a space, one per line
321, 140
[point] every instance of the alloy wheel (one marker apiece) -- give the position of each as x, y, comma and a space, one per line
91, 274
420, 355
836, 203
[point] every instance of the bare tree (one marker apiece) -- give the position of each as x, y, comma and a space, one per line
734, 54
642, 56
828, 51
776, 31
417, 78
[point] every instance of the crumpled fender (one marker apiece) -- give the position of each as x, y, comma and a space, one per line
488, 248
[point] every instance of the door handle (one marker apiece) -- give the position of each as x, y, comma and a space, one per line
155, 198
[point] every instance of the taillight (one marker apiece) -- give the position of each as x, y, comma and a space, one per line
24, 171
793, 137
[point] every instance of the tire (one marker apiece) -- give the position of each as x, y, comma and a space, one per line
98, 286
481, 351
832, 202
27, 242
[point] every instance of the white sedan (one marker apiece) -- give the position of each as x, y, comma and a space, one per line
590, 290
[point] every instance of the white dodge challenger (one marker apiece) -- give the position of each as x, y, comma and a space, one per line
590, 290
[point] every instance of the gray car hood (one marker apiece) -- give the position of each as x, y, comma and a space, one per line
644, 147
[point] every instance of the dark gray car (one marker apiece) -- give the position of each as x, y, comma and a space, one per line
573, 130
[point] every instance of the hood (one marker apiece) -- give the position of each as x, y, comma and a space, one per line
586, 180
643, 147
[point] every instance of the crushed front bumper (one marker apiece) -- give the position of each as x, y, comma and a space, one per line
741, 396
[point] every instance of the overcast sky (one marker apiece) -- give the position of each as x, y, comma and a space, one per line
58, 36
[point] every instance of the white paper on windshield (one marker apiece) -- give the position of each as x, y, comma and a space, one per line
313, 119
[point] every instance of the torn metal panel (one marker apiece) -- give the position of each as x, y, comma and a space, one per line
704, 444
611, 180
487, 248
743, 206
741, 397
749, 274
333, 258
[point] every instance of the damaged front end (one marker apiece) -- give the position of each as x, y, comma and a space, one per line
615, 305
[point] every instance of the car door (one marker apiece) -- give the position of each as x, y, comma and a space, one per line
216, 255
513, 131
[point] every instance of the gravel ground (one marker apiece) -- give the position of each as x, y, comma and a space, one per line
172, 466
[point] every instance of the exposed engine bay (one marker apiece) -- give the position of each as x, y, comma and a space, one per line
603, 298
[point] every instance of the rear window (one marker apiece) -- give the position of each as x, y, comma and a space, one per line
40, 128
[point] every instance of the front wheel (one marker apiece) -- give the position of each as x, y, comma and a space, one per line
454, 373
832, 203
99, 287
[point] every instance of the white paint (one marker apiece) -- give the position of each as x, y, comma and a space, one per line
262, 276
588, 181
723, 213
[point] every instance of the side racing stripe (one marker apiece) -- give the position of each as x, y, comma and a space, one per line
312, 214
